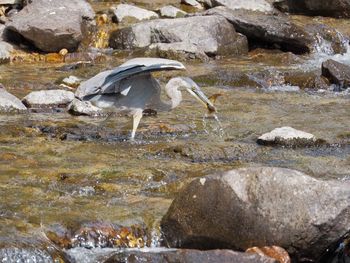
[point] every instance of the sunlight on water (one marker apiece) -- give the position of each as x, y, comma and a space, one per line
213, 126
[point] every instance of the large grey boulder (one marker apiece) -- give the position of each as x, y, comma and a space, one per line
260, 206
5, 52
131, 13
53, 25
276, 31
188, 256
255, 5
48, 98
10, 103
212, 35
335, 8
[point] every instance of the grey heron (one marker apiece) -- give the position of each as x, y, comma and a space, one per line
131, 88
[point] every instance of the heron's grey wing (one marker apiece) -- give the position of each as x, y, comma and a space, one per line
106, 82
137, 66
93, 85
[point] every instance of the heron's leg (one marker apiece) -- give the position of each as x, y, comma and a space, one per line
136, 120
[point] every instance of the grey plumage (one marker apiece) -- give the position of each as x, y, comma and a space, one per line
131, 87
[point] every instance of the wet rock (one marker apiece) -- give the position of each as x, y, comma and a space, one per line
327, 40
78, 107
306, 80
31, 250
336, 8
130, 13
48, 99
278, 253
338, 252
9, 103
288, 136
72, 81
52, 25
254, 5
187, 256
5, 52
259, 206
170, 11
212, 35
263, 29
107, 235
336, 73
193, 3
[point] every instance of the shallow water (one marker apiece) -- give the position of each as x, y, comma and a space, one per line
57, 168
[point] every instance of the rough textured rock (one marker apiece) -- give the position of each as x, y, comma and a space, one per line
287, 136
72, 81
170, 11
48, 98
193, 3
9, 103
78, 107
255, 5
264, 29
335, 8
131, 13
260, 206
5, 52
306, 80
188, 256
2, 28
278, 253
177, 51
53, 25
212, 35
206, 3
336, 73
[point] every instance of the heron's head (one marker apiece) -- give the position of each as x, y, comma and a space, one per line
188, 84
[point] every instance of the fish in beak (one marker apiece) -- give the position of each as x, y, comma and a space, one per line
196, 92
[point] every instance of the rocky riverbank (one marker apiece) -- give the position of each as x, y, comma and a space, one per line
269, 183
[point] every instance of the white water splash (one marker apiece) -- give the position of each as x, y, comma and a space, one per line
323, 51
212, 125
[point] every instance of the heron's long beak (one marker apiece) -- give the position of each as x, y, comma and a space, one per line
196, 92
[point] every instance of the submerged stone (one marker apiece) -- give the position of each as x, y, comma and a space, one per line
259, 206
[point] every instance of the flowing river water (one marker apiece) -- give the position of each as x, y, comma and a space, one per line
58, 169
